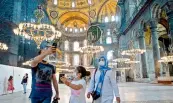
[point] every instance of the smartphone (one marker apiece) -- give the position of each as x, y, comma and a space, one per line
54, 44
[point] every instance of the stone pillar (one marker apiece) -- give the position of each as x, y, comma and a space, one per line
169, 10
142, 45
14, 40
155, 45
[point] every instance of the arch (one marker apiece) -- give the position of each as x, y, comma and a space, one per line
76, 46
110, 55
66, 45
143, 25
156, 11
108, 40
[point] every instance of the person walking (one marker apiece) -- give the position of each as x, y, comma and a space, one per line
43, 74
78, 85
10, 84
25, 82
103, 85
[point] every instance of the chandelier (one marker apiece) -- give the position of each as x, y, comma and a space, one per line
37, 31
133, 52
28, 63
123, 68
91, 49
3, 46
121, 60
132, 62
166, 59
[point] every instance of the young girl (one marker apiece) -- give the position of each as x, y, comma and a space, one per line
78, 85
10, 84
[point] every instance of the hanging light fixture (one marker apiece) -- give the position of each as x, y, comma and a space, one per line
133, 52
3, 46
91, 49
37, 31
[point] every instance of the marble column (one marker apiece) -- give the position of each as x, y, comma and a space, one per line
142, 45
14, 40
169, 10
155, 45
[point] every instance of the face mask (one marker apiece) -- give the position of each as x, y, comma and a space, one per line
75, 75
101, 63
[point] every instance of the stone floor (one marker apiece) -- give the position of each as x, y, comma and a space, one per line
130, 93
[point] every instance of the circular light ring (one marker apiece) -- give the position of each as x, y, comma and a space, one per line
121, 60
166, 59
91, 49
132, 62
133, 52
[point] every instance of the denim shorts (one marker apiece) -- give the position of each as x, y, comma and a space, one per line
40, 100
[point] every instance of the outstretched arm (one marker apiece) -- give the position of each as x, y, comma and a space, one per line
43, 54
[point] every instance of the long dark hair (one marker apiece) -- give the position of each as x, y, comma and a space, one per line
82, 70
10, 78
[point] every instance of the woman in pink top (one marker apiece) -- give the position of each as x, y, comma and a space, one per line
10, 84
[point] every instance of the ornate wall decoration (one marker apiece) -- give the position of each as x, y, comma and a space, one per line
92, 13
93, 34
54, 14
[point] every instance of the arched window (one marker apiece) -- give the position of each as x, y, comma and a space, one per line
110, 55
76, 60
76, 46
66, 45
85, 59
108, 40
66, 58
85, 43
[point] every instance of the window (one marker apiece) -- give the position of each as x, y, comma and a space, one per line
55, 2
75, 30
66, 45
66, 58
110, 55
73, 4
85, 59
76, 46
116, 18
108, 32
81, 29
89, 2
71, 29
106, 19
108, 40
85, 43
66, 29
76, 60
113, 18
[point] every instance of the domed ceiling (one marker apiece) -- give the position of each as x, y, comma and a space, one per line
80, 13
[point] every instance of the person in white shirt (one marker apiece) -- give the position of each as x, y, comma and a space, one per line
103, 85
78, 85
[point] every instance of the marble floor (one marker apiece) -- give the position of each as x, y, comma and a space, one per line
130, 93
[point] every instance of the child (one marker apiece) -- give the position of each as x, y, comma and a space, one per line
78, 85
10, 84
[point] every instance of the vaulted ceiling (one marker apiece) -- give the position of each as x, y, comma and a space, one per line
80, 13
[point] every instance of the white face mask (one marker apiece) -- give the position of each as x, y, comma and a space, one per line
75, 75
101, 63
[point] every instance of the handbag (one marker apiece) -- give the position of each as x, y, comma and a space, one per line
22, 81
55, 100
95, 95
